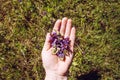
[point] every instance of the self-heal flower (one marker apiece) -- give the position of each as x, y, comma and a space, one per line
60, 45
20, 0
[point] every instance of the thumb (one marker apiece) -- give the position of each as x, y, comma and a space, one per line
47, 42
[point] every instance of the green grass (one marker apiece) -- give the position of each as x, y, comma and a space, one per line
23, 26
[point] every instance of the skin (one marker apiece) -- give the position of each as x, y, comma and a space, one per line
53, 66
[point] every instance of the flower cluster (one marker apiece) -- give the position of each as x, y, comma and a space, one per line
60, 45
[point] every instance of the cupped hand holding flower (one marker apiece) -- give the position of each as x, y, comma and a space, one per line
55, 68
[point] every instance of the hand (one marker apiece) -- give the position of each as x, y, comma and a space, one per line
52, 64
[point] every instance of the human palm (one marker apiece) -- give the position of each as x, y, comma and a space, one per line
52, 63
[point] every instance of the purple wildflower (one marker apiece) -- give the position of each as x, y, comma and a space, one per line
20, 0
60, 43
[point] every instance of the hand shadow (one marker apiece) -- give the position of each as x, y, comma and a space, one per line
92, 75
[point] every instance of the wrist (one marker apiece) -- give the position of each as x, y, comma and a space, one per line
55, 76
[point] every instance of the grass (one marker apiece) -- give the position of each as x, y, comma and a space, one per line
24, 24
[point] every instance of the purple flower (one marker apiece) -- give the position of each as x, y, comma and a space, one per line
60, 43
60, 54
20, 0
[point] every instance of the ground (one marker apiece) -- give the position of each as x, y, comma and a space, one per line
24, 24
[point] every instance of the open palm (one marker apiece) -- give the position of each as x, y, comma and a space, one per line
52, 63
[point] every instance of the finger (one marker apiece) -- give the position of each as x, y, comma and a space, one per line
69, 59
57, 26
72, 37
68, 28
47, 42
63, 26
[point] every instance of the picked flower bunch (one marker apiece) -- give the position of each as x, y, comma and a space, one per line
60, 45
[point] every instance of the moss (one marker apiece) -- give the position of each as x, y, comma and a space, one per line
24, 24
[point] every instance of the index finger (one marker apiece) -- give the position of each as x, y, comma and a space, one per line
57, 25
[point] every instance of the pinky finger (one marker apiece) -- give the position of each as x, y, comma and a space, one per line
72, 37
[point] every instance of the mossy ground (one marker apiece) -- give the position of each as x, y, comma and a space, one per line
24, 24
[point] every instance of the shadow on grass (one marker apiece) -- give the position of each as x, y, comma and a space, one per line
92, 75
